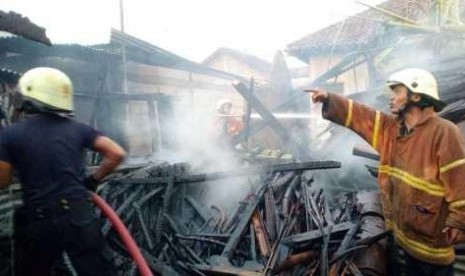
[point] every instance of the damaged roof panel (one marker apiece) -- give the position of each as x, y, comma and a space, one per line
23, 46
17, 24
9, 76
143, 52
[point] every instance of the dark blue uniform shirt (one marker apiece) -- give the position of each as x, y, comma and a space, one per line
47, 151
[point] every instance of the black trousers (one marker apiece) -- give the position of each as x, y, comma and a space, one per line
42, 236
413, 266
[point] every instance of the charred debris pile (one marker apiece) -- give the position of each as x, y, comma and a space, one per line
288, 226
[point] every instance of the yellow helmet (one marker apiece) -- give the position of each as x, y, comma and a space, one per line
418, 81
48, 87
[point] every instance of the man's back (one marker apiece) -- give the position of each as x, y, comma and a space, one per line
46, 149
47, 152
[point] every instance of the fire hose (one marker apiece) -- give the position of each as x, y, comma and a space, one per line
124, 234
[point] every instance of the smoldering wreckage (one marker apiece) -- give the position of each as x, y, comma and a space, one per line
309, 208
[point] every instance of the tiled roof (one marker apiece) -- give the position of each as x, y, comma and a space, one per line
356, 31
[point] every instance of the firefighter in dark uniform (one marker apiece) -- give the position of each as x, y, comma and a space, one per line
46, 149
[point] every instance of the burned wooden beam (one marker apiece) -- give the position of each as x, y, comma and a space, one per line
363, 152
248, 114
270, 213
308, 237
310, 165
348, 238
262, 236
284, 134
235, 217
199, 209
227, 270
253, 250
256, 127
243, 224
299, 258
143, 225
200, 239
278, 246
340, 68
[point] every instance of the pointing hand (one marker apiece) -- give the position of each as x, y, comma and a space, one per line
318, 96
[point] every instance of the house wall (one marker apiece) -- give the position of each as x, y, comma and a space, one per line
190, 90
352, 81
194, 96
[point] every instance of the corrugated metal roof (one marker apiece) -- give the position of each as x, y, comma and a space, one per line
23, 46
143, 52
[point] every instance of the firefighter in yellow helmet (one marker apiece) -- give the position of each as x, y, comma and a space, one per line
422, 168
46, 149
47, 89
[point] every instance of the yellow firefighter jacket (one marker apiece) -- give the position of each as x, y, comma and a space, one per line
421, 176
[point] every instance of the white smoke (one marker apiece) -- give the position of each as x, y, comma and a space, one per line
196, 133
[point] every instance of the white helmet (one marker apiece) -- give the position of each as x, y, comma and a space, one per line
221, 103
418, 81
48, 88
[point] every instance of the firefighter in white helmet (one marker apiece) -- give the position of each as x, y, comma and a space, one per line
417, 81
224, 106
422, 168
46, 149
228, 125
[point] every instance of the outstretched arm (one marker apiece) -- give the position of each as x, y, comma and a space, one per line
363, 120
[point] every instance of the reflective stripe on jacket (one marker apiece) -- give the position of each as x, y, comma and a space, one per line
421, 176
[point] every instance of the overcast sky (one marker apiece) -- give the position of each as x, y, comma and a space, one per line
190, 28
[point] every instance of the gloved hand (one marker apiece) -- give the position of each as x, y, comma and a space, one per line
90, 183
